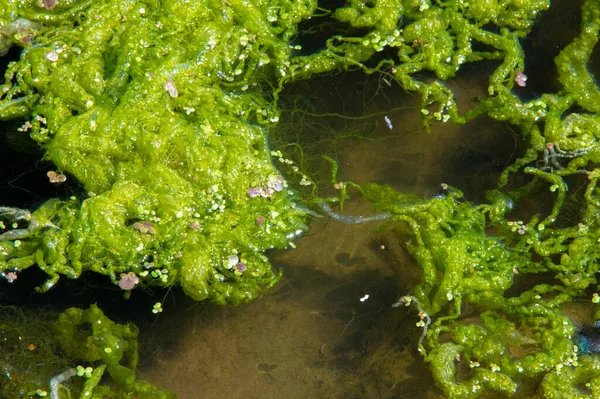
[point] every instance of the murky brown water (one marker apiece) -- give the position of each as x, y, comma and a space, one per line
312, 336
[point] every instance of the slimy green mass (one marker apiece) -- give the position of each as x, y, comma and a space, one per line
159, 112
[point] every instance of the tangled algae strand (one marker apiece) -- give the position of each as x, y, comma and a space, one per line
471, 255
59, 379
349, 219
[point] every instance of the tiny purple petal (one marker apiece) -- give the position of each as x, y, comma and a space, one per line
128, 281
254, 192
260, 220
241, 267
277, 186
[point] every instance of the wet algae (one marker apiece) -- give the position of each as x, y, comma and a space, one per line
157, 113
36, 345
160, 112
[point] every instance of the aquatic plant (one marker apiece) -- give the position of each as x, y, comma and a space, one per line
111, 347
159, 112
34, 344
471, 255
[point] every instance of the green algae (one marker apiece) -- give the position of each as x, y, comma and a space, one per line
29, 355
90, 336
425, 37
471, 255
38, 347
159, 112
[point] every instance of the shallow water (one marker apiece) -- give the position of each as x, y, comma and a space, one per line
313, 336
316, 334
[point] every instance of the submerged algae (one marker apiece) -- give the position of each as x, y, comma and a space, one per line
36, 348
518, 337
112, 347
158, 111
470, 255
439, 37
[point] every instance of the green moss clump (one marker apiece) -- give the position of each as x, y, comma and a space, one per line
158, 111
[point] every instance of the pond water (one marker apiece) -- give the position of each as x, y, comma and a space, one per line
328, 329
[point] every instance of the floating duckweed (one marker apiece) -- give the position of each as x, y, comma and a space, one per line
520, 79
144, 227
56, 177
87, 371
240, 267
232, 260
48, 4
128, 281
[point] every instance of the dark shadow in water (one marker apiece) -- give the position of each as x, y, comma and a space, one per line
554, 29
23, 179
